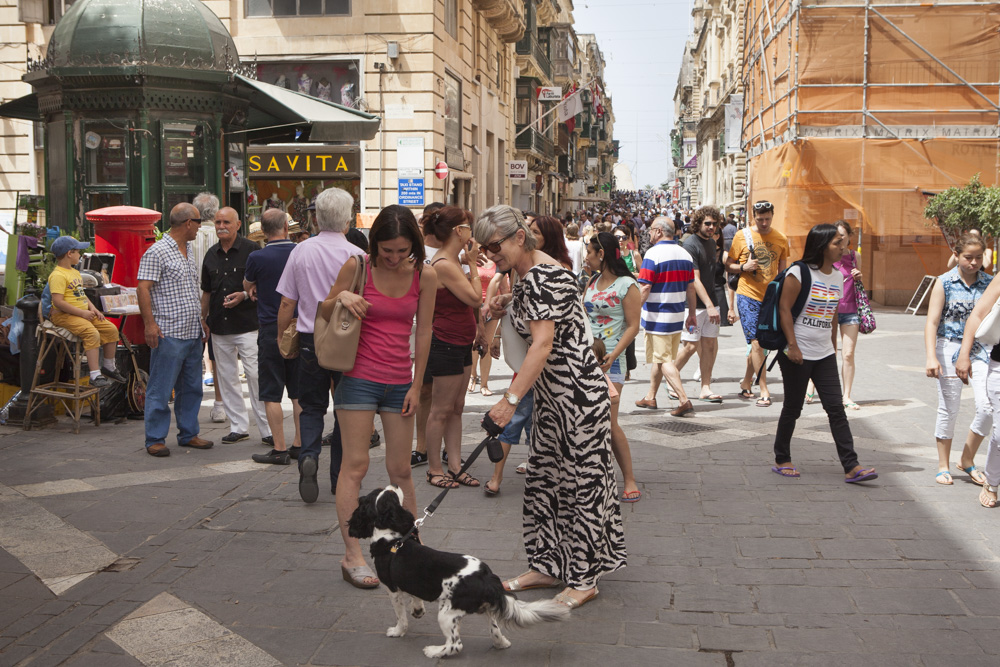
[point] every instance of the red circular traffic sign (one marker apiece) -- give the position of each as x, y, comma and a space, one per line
441, 170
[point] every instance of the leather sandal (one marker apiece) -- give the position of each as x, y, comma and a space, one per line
441, 481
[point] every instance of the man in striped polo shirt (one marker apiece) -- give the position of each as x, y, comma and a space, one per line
666, 282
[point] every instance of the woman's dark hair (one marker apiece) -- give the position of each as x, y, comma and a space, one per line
818, 239
612, 253
441, 222
968, 239
393, 222
627, 229
355, 236
553, 241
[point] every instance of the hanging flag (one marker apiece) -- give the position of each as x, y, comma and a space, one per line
571, 105
596, 92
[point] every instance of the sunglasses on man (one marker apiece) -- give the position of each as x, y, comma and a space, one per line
763, 207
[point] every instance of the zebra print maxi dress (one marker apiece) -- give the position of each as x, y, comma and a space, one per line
572, 517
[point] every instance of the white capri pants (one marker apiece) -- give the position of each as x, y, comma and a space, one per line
950, 392
992, 468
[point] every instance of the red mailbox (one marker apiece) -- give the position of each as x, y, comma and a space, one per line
126, 232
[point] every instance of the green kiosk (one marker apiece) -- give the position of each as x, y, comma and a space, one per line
147, 103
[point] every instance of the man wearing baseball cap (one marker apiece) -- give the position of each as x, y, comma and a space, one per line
72, 310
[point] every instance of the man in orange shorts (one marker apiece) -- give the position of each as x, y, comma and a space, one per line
72, 310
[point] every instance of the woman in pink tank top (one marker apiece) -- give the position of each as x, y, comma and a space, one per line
398, 287
455, 325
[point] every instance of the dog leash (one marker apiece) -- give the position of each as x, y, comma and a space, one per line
495, 452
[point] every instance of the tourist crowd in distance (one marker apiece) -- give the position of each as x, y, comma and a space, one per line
563, 299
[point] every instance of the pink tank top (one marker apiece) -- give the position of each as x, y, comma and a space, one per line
384, 347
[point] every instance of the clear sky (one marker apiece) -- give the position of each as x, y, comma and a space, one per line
642, 42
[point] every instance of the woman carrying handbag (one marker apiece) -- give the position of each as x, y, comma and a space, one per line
397, 287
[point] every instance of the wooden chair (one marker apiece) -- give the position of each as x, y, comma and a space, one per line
73, 396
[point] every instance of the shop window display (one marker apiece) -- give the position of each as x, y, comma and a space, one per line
294, 197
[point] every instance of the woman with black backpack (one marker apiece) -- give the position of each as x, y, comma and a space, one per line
811, 353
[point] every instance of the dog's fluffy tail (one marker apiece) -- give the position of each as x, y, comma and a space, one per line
522, 614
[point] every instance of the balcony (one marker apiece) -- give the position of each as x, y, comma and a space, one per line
531, 47
533, 140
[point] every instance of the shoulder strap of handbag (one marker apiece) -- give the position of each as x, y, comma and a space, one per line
748, 236
360, 275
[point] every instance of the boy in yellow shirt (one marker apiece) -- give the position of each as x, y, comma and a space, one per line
72, 310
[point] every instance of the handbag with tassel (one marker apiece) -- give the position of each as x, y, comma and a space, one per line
336, 339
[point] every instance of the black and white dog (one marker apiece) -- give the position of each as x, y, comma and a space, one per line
462, 584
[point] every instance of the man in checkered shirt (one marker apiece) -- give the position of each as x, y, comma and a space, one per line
170, 304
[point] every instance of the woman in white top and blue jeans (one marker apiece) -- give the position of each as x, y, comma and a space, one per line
811, 353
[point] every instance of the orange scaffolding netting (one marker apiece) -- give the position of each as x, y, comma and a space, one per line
858, 110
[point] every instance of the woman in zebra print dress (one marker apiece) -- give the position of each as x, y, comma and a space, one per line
572, 519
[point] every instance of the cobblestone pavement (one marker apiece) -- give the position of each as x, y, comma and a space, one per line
111, 557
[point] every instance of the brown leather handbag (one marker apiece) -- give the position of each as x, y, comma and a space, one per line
336, 339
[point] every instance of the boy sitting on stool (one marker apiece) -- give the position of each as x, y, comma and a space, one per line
73, 311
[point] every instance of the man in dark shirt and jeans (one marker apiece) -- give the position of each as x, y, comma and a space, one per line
705, 338
231, 316
276, 373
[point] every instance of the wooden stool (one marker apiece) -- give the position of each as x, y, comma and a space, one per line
72, 396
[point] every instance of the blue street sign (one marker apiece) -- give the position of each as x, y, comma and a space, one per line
411, 192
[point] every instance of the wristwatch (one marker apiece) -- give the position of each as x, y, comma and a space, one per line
513, 399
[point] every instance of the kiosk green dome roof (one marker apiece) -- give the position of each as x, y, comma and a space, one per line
98, 35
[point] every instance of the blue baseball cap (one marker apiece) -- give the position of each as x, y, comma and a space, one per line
64, 244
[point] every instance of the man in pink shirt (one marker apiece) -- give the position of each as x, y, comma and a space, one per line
311, 271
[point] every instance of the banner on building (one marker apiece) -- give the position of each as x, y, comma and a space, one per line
734, 124
549, 94
570, 107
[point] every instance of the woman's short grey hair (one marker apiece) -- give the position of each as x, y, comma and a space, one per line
503, 219
207, 204
333, 210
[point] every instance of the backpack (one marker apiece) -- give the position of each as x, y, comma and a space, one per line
769, 333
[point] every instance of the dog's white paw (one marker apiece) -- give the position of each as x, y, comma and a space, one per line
417, 610
442, 651
501, 643
395, 631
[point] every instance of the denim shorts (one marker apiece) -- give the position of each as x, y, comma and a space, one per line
359, 394
848, 318
615, 372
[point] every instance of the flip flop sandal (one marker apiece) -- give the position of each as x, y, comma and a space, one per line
781, 470
944, 477
631, 497
673, 394
862, 475
572, 602
714, 398
851, 405
514, 584
490, 493
465, 479
485, 391
522, 468
810, 398
974, 474
746, 393
984, 498
356, 576
473, 381
440, 481
763, 402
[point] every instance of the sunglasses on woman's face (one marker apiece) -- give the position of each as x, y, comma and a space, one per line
494, 247
620, 237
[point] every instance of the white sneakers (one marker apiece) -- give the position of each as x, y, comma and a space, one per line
218, 414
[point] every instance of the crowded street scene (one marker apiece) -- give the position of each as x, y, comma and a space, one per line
425, 334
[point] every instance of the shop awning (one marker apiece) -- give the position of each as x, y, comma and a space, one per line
272, 105
25, 108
